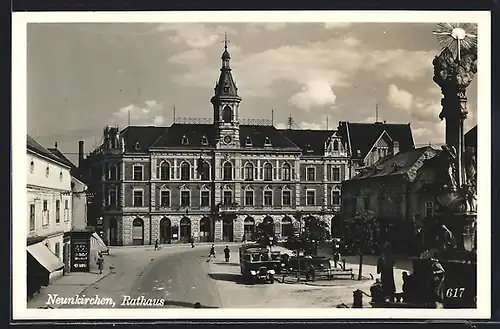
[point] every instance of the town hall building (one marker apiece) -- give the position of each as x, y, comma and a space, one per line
215, 180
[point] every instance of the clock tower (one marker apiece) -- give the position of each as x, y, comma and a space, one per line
226, 103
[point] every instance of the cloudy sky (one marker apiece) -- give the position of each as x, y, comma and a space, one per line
82, 77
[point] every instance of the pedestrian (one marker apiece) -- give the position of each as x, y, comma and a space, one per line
100, 262
212, 252
336, 258
192, 242
227, 254
438, 274
156, 244
311, 274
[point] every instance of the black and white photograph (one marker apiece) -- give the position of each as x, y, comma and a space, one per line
226, 165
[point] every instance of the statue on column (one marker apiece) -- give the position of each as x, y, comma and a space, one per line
451, 155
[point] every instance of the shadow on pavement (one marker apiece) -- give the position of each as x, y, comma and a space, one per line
237, 278
185, 304
228, 264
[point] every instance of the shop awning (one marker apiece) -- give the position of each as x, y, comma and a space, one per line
45, 257
97, 242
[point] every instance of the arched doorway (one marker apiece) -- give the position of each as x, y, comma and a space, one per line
268, 220
248, 228
227, 229
165, 231
286, 227
113, 232
138, 231
206, 230
185, 229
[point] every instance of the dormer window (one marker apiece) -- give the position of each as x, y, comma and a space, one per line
267, 141
336, 145
226, 89
185, 140
359, 153
204, 140
137, 146
248, 141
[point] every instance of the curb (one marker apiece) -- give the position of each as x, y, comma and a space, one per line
175, 245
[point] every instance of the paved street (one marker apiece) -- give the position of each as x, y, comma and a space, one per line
181, 276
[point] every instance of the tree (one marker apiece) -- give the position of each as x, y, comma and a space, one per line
315, 231
361, 229
264, 233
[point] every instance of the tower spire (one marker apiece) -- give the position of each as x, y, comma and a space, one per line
225, 41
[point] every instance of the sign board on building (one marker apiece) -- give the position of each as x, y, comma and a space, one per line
80, 254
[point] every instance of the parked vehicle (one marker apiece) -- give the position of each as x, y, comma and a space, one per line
321, 265
258, 264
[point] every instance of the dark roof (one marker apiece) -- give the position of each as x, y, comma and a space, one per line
172, 136
62, 157
143, 135
36, 147
310, 141
471, 137
362, 136
398, 164
258, 134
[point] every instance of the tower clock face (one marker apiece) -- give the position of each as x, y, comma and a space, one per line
227, 139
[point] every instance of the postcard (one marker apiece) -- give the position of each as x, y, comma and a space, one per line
225, 165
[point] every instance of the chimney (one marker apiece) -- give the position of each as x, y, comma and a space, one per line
55, 145
395, 148
80, 154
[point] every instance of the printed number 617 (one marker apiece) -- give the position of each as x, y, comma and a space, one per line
455, 292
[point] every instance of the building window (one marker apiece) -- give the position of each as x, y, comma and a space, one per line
248, 172
32, 217
61, 176
227, 197
112, 197
66, 204
227, 113
113, 172
268, 198
47, 171
57, 250
336, 198
336, 174
205, 198
138, 172
204, 140
58, 211
366, 203
32, 166
137, 146
310, 174
336, 145
138, 198
185, 198
248, 141
267, 141
228, 171
165, 199
429, 209
184, 140
205, 171
287, 172
398, 204
164, 171
249, 198
286, 197
310, 198
268, 172
185, 171
45, 216
380, 205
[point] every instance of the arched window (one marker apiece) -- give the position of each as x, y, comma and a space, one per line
184, 140
138, 231
227, 114
185, 171
287, 172
268, 196
336, 145
204, 140
228, 171
248, 171
205, 171
267, 141
164, 171
248, 228
286, 227
185, 229
268, 172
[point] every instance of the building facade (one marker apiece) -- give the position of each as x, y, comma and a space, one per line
214, 179
49, 212
399, 190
